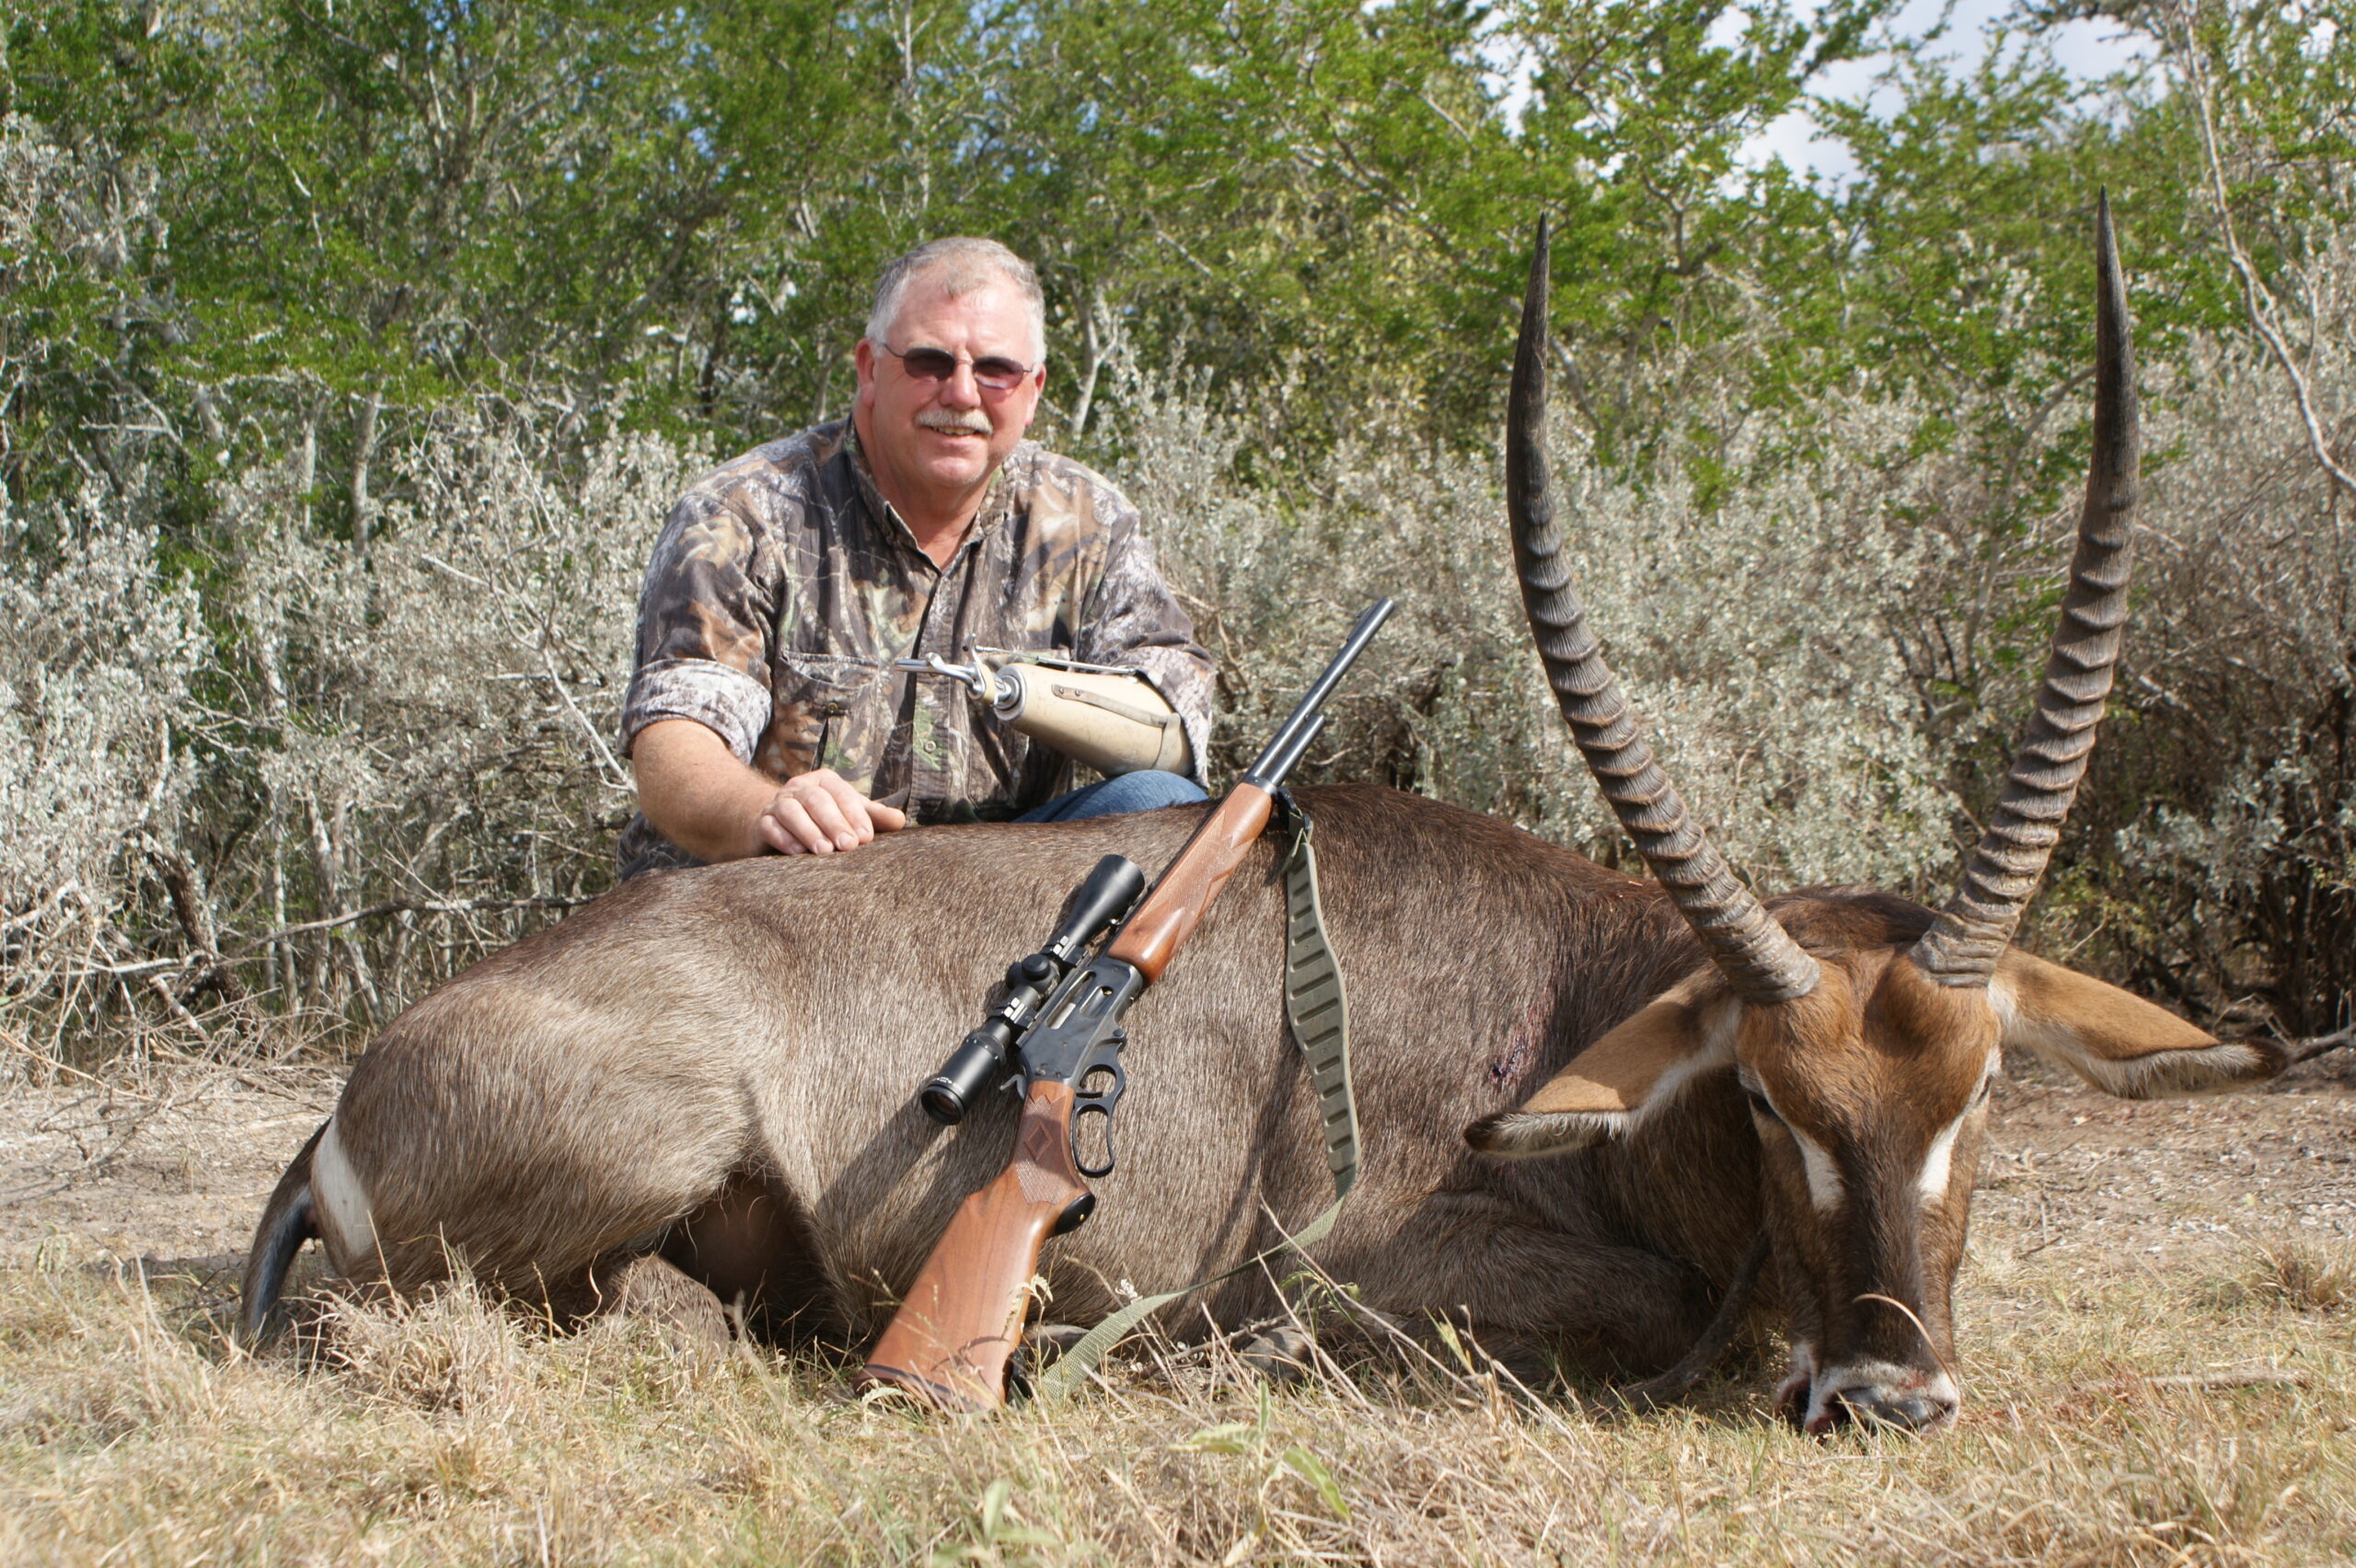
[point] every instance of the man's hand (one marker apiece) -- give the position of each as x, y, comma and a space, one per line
820, 813
700, 796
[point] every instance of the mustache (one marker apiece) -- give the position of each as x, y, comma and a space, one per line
970, 422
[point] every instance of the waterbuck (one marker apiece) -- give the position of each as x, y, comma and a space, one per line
700, 1087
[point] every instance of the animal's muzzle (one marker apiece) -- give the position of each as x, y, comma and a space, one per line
1902, 1400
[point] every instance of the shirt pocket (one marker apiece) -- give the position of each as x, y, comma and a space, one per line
829, 710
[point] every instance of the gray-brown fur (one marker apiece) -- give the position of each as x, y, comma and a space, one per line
700, 1037
717, 1065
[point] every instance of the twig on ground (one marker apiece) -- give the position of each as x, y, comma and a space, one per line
2234, 1377
2316, 1044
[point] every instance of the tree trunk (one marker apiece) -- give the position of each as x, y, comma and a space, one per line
363, 451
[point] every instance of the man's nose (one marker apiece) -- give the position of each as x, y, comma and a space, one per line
959, 389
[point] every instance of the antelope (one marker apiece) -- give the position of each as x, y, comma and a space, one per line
1589, 1105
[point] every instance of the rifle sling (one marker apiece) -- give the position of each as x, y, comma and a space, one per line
1318, 1015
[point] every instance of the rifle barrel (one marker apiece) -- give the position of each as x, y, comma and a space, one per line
1275, 759
1301, 741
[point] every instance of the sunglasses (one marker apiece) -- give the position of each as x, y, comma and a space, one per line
996, 372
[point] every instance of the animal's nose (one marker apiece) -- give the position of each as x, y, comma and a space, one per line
1908, 1410
1886, 1396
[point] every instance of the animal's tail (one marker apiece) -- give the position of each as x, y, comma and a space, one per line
286, 1224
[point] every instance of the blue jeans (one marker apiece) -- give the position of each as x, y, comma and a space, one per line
1115, 797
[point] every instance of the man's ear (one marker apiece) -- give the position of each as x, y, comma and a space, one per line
862, 360
2117, 1043
1609, 1086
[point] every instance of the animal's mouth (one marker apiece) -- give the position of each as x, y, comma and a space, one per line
1872, 1397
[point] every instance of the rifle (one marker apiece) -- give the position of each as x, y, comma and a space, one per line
1059, 1029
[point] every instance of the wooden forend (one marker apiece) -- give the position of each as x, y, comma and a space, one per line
1175, 906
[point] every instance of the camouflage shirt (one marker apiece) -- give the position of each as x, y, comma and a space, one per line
783, 586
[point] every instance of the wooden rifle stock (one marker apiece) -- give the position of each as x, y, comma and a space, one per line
962, 1317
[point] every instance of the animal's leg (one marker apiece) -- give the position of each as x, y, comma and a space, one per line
650, 1288
1048, 1340
1615, 1310
1518, 1285
1283, 1352
1280, 1353
749, 1243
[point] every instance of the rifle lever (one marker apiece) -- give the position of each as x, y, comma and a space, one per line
1086, 1101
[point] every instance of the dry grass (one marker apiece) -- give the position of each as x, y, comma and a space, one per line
2134, 1417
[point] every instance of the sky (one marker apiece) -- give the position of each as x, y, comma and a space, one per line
2087, 50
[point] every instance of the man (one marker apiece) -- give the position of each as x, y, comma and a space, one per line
765, 714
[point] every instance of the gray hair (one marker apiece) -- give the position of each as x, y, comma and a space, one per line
960, 264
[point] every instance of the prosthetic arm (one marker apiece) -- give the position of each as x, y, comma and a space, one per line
1111, 719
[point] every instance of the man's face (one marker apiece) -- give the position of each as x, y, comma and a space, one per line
935, 442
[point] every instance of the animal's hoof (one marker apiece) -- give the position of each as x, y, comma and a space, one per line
1280, 1354
1043, 1345
650, 1290
1048, 1340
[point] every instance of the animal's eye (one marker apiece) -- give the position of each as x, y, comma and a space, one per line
1759, 1103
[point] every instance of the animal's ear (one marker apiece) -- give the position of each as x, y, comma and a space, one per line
2117, 1043
1611, 1086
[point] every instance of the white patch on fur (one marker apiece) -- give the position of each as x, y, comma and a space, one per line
1939, 1164
1717, 1028
2160, 1074
1825, 1188
1526, 1134
339, 1204
1716, 1051
1864, 1385
2166, 1073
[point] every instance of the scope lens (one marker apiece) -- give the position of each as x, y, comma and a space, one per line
967, 1072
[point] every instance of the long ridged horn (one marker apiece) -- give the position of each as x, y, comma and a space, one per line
1971, 933
1755, 953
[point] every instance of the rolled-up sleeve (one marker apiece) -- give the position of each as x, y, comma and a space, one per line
1137, 623
705, 617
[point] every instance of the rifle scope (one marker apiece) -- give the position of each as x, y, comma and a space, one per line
981, 1057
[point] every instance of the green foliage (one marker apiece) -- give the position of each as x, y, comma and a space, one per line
681, 206
278, 279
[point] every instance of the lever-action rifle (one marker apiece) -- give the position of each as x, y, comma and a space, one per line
1059, 1032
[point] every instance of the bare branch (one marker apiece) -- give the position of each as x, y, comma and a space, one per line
2316, 1044
2256, 297
244, 947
